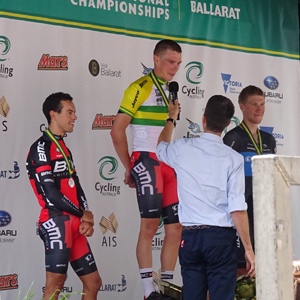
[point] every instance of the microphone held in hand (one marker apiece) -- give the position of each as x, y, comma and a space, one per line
173, 89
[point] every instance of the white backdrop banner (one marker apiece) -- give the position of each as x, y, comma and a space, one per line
93, 50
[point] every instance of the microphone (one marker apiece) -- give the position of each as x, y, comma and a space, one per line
173, 89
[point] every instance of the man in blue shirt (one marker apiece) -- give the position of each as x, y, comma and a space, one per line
211, 203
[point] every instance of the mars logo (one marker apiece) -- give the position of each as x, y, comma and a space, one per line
8, 282
110, 224
114, 287
4, 41
194, 130
48, 62
103, 122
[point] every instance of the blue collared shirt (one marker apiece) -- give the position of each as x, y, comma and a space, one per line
210, 179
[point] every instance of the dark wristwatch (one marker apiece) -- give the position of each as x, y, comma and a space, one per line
172, 120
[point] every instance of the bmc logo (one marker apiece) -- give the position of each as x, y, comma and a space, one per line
48, 62
60, 166
54, 233
144, 177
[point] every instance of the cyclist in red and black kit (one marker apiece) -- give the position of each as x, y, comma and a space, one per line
64, 221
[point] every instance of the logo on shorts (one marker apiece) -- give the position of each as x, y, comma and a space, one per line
144, 178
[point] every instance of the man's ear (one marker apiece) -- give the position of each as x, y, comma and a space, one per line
155, 59
52, 114
241, 107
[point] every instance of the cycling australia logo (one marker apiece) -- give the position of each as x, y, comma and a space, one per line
4, 110
108, 165
231, 86
233, 123
103, 69
272, 96
57, 63
194, 130
106, 225
5, 70
278, 136
11, 174
8, 282
114, 287
103, 121
6, 235
194, 71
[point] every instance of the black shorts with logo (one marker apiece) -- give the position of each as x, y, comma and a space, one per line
64, 243
156, 187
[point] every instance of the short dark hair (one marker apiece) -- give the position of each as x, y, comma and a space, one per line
218, 113
164, 45
53, 102
250, 90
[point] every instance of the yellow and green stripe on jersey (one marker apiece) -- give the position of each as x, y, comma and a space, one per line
146, 101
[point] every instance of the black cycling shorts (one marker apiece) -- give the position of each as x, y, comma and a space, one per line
156, 187
64, 243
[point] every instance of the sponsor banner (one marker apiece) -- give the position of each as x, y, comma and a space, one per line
223, 24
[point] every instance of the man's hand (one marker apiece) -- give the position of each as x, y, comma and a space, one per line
174, 109
86, 229
88, 217
128, 180
250, 262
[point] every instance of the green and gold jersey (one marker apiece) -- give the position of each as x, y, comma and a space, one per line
145, 100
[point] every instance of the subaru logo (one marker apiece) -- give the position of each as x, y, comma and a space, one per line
5, 218
271, 83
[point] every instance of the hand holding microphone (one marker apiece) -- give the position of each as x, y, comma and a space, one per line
173, 89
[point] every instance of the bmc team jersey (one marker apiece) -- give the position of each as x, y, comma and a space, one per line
144, 102
49, 177
239, 140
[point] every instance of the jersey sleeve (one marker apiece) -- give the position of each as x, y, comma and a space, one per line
233, 140
134, 96
80, 193
41, 178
